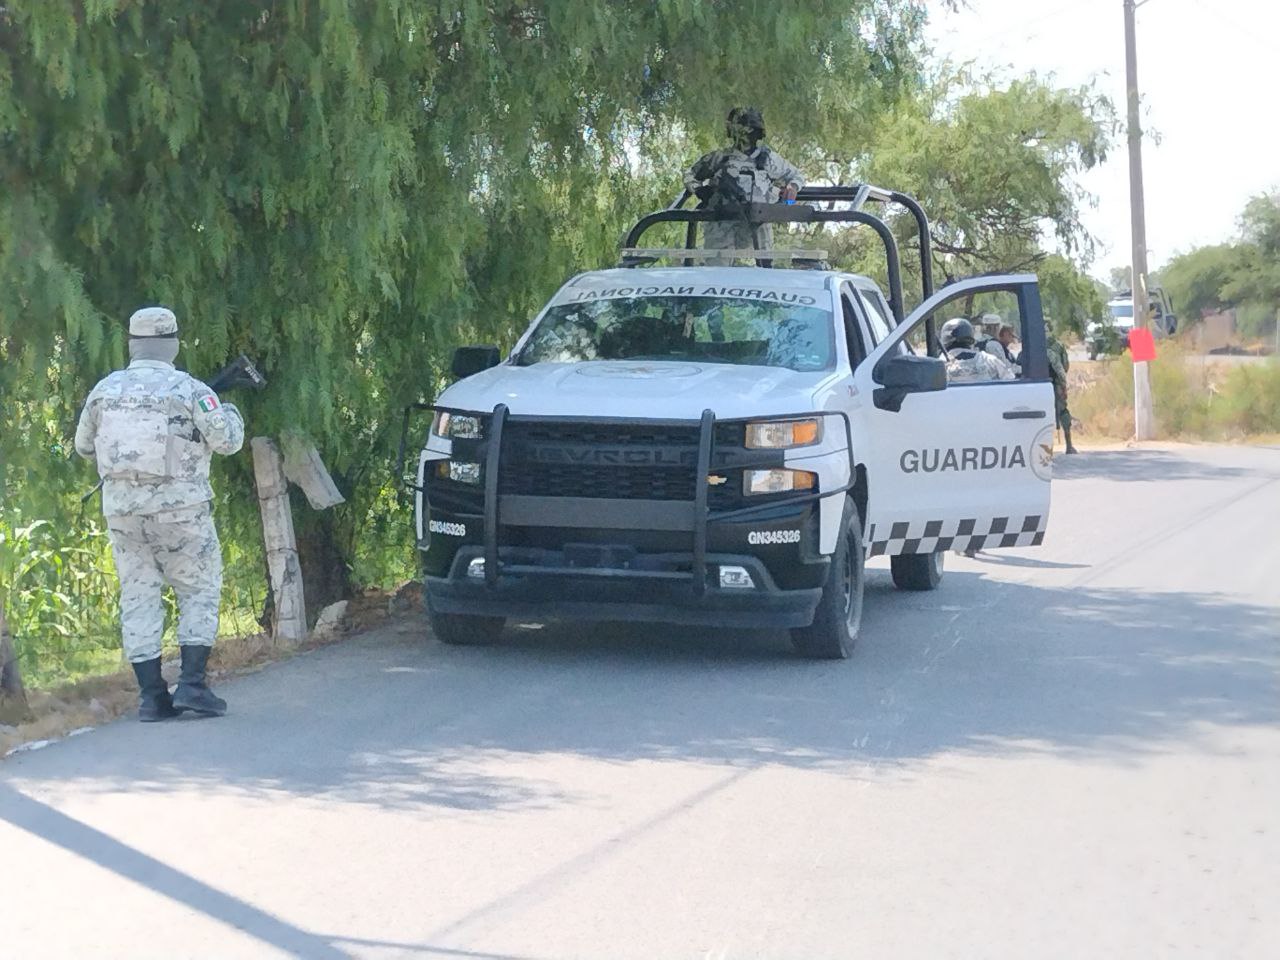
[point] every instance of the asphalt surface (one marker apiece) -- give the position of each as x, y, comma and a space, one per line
1072, 751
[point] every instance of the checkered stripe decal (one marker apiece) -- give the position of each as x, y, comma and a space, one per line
930, 536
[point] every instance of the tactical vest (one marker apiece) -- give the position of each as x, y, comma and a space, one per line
738, 182
143, 434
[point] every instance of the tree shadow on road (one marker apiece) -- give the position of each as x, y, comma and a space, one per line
392, 720
1146, 464
978, 666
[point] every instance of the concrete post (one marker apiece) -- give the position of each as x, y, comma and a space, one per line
1144, 426
290, 609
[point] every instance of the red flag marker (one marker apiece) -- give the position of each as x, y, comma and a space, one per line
1142, 346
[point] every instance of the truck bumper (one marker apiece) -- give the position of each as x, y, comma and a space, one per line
545, 585
568, 550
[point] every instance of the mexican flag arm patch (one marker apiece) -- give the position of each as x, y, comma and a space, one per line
208, 403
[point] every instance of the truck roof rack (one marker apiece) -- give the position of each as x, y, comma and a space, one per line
804, 210
635, 256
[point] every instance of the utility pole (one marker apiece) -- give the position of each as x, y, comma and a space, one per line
1144, 426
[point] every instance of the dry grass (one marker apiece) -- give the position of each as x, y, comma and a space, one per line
97, 700
1195, 398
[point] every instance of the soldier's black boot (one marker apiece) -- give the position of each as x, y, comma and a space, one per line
192, 693
1066, 432
154, 702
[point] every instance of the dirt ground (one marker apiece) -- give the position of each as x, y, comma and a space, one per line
79, 706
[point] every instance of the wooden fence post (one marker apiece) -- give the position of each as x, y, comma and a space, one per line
289, 607
13, 698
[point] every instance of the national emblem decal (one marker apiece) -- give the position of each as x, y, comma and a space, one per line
1042, 454
208, 403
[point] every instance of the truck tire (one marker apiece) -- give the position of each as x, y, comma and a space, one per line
1093, 351
460, 630
916, 571
835, 625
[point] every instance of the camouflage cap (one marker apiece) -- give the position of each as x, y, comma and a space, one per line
152, 322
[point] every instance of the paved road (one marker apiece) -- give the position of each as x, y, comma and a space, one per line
1064, 752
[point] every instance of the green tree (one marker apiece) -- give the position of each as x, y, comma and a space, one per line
344, 190
995, 169
1121, 279
1255, 277
1071, 299
1195, 281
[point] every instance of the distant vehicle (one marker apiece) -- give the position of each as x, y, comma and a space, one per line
1112, 334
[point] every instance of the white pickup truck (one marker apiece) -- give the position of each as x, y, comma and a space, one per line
1112, 335
726, 446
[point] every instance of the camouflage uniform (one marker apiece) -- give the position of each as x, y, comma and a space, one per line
751, 171
1059, 363
971, 365
993, 346
152, 430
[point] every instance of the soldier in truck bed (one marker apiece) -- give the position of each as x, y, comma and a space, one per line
744, 172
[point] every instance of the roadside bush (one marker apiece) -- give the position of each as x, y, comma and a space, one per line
1249, 402
60, 595
1194, 399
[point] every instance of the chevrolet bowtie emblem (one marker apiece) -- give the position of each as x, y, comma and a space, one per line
715, 480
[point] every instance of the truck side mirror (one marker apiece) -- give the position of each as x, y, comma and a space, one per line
902, 374
469, 360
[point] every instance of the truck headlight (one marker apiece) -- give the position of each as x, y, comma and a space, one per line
459, 471
782, 434
756, 482
459, 426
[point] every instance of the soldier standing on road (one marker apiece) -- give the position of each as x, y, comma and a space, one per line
1059, 363
745, 172
152, 429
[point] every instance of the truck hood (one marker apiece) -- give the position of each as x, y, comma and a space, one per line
640, 388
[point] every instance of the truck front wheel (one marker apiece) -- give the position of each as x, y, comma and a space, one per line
916, 571
460, 630
835, 625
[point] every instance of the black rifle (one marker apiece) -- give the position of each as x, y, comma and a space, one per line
240, 372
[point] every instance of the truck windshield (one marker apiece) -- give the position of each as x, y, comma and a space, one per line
1122, 310
763, 333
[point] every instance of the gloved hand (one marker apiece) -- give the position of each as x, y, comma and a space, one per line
704, 192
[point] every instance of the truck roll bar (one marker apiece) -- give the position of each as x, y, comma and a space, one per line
855, 195
759, 213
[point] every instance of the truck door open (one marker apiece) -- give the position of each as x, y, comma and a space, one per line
954, 465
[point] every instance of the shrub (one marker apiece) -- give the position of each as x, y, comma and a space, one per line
1194, 399
1249, 401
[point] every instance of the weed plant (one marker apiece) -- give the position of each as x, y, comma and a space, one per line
1195, 398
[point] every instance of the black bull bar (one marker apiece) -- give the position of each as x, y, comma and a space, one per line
695, 521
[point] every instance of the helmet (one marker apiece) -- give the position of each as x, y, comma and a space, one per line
745, 123
957, 332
